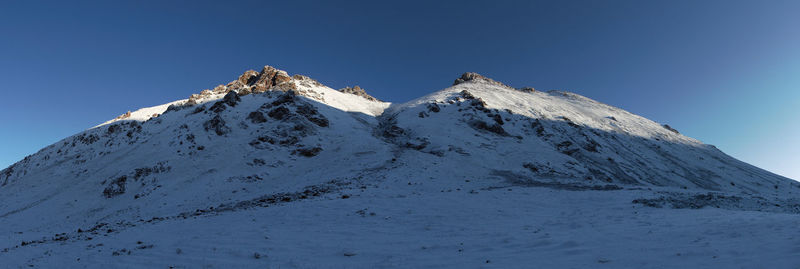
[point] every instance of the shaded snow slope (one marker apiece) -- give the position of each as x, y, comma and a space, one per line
562, 135
269, 140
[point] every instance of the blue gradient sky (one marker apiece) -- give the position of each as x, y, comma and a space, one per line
725, 72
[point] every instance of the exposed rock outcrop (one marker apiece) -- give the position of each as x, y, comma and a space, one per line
248, 78
666, 126
269, 79
356, 90
527, 89
124, 116
217, 124
256, 117
306, 81
231, 99
116, 187
475, 77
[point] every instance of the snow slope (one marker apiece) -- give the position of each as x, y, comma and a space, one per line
283, 171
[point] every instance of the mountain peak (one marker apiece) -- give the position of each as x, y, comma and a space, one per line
232, 153
270, 78
475, 77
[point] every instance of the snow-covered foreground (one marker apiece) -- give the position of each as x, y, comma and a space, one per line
413, 226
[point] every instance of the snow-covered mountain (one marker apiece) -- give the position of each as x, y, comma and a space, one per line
177, 178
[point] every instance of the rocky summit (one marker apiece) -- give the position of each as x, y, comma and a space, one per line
358, 91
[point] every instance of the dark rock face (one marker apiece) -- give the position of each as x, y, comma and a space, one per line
218, 107
388, 128
467, 95
697, 201
527, 89
433, 107
5, 174
498, 119
142, 172
231, 99
494, 128
288, 106
591, 146
256, 117
279, 113
476, 102
172, 108
287, 98
88, 139
198, 110
291, 120
531, 166
217, 124
312, 115
356, 90
308, 152
116, 187
113, 128
666, 126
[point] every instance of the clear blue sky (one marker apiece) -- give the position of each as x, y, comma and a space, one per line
725, 72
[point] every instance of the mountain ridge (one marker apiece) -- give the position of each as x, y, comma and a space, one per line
271, 79
269, 145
